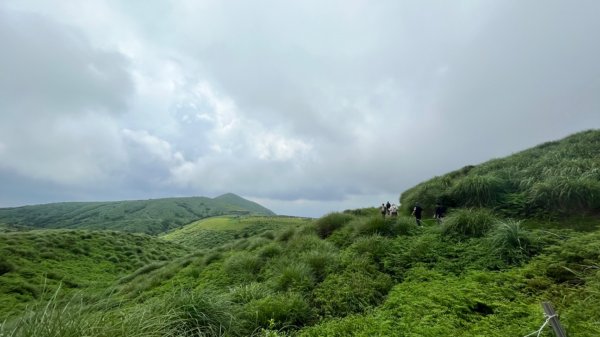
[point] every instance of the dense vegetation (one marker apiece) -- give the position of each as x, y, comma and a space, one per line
34, 263
553, 179
482, 272
215, 231
141, 216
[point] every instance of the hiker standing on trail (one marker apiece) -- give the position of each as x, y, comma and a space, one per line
439, 213
394, 211
387, 207
383, 210
417, 212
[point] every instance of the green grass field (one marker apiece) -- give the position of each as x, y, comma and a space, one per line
215, 231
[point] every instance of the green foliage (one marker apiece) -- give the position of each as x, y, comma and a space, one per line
350, 292
512, 242
38, 262
561, 177
144, 216
466, 223
377, 225
280, 311
478, 191
216, 231
331, 222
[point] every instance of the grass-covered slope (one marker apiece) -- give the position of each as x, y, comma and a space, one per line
215, 231
34, 263
554, 178
352, 275
143, 216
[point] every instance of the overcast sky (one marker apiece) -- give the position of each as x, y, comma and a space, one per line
304, 106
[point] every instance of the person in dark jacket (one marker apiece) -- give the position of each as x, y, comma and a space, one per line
418, 213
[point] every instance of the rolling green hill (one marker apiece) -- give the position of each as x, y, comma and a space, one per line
143, 216
215, 231
559, 178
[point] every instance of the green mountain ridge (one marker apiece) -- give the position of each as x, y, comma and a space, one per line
151, 216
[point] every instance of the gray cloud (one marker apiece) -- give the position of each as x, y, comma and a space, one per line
305, 106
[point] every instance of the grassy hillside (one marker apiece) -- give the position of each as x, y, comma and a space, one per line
143, 216
349, 275
559, 178
34, 263
213, 232
483, 271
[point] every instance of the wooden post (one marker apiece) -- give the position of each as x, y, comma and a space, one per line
558, 329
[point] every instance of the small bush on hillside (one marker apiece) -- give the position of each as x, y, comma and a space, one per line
292, 275
5, 266
375, 248
465, 223
331, 222
245, 293
377, 225
280, 311
270, 250
512, 242
243, 266
211, 257
286, 234
200, 314
351, 292
320, 262
405, 225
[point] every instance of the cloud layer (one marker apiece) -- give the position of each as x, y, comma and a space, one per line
306, 107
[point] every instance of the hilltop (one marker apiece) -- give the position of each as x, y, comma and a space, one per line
143, 216
555, 179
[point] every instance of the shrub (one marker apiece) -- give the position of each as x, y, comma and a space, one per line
320, 262
5, 266
286, 234
375, 248
199, 314
377, 225
211, 257
292, 275
465, 223
512, 242
245, 293
331, 222
280, 311
242, 266
270, 250
350, 292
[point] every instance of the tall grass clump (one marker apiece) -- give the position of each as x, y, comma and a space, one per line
512, 242
280, 311
331, 222
467, 223
377, 225
478, 191
75, 318
243, 266
560, 194
198, 313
